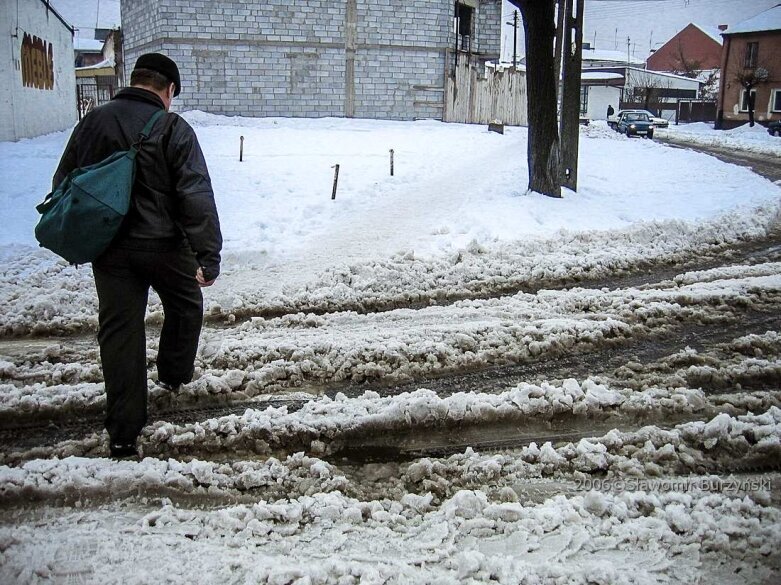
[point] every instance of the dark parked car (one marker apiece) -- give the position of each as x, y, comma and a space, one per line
774, 128
658, 122
635, 124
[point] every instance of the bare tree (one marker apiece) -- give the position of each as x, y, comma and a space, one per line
749, 79
692, 68
647, 90
710, 84
543, 145
685, 66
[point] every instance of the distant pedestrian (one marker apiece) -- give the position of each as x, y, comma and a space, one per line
170, 241
610, 111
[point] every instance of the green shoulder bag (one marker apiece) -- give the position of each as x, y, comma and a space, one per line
83, 214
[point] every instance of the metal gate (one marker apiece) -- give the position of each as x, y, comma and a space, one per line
695, 111
92, 92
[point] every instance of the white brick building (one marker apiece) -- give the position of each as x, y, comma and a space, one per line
365, 58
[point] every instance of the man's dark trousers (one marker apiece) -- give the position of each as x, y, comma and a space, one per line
123, 275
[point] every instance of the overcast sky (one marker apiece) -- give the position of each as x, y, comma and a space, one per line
647, 23
608, 23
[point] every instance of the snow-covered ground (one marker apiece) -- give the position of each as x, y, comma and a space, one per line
264, 497
743, 138
455, 216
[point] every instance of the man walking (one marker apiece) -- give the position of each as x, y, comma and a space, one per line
170, 241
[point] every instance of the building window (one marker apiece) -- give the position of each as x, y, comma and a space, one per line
776, 104
744, 95
463, 25
752, 49
583, 100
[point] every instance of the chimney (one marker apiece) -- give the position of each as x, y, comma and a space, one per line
722, 27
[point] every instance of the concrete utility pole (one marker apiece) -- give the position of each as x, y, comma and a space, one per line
515, 38
570, 100
628, 60
561, 7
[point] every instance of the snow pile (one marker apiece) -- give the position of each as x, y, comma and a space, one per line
40, 398
40, 305
469, 521
601, 129
649, 452
327, 425
621, 539
422, 521
726, 272
746, 138
404, 344
748, 363
78, 478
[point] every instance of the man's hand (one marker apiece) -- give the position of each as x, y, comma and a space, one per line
201, 281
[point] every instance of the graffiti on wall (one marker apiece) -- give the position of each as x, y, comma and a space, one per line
37, 63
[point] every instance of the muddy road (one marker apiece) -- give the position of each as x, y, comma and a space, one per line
763, 164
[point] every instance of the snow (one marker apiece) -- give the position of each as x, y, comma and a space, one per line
289, 247
712, 32
764, 21
317, 525
394, 280
598, 75
745, 138
303, 541
101, 65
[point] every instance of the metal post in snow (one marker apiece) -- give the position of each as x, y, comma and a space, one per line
391, 161
241, 148
336, 180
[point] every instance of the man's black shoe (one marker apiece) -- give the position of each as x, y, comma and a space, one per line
169, 387
123, 450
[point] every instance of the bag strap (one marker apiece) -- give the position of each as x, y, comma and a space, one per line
149, 125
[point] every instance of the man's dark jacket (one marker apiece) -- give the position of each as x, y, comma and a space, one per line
172, 197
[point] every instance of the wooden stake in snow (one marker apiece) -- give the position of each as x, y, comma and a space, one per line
336, 180
391, 158
241, 148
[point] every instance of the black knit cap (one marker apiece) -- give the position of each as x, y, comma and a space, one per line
163, 65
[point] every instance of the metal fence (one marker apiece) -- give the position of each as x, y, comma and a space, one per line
92, 92
695, 111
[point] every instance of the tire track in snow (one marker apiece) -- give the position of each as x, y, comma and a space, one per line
600, 357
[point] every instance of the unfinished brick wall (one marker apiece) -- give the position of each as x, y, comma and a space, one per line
364, 58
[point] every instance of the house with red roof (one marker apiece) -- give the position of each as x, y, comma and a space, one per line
693, 49
751, 71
